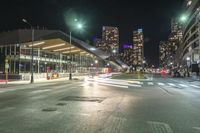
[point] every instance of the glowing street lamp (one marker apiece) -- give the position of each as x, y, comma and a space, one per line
96, 61
183, 18
114, 51
79, 26
188, 58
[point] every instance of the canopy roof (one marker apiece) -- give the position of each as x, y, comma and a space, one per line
50, 40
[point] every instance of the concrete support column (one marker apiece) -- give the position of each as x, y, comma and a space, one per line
15, 59
61, 58
38, 60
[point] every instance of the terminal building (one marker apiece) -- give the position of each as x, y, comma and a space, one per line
52, 53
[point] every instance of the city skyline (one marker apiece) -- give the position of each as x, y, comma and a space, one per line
100, 66
125, 15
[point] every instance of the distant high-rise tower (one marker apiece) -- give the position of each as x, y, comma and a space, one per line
138, 47
110, 36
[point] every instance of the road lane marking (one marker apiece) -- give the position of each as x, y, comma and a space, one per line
182, 85
120, 86
133, 82
150, 83
160, 127
112, 82
132, 85
162, 84
171, 84
2, 91
197, 128
40, 91
195, 86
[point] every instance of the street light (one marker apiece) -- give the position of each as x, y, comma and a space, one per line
96, 62
114, 51
143, 64
183, 18
78, 26
188, 65
188, 58
32, 36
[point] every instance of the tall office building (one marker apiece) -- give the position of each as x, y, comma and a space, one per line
168, 49
164, 54
138, 47
110, 38
190, 46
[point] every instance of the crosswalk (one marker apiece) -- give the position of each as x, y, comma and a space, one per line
139, 84
171, 84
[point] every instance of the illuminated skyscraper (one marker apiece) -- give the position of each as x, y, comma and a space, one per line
138, 47
110, 36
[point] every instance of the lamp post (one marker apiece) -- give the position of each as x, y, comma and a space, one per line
78, 26
143, 64
188, 65
70, 68
32, 40
96, 62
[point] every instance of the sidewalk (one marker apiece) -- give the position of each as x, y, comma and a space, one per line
36, 81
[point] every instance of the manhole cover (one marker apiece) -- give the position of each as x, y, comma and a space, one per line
49, 109
83, 99
61, 104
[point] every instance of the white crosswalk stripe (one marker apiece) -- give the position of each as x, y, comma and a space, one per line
171, 84
182, 85
150, 83
2, 91
195, 86
114, 85
162, 84
141, 83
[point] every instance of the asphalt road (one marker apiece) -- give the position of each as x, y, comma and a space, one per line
163, 105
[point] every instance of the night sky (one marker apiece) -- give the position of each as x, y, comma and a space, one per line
153, 16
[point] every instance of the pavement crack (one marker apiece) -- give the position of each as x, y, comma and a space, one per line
166, 91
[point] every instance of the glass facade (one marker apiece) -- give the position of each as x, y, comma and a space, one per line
19, 56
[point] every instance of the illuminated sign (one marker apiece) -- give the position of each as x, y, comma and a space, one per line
125, 46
